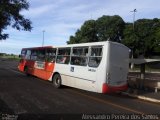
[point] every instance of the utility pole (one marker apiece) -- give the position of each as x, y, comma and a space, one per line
134, 12
43, 38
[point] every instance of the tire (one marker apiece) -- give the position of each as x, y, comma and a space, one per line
26, 70
56, 81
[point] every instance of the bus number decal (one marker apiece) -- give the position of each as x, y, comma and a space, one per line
39, 65
92, 70
72, 69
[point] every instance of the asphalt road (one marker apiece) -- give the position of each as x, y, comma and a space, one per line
22, 95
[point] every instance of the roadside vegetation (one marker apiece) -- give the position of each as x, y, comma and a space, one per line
9, 56
10, 15
142, 37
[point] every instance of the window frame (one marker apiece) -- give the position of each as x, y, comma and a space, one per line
63, 58
96, 64
77, 59
47, 57
28, 56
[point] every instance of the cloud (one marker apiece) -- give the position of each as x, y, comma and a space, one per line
61, 18
38, 11
60, 28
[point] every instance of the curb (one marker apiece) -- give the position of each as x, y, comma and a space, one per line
141, 97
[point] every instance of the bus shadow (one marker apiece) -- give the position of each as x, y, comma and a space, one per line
103, 96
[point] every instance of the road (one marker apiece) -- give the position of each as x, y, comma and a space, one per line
23, 95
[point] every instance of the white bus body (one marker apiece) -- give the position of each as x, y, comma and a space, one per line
109, 76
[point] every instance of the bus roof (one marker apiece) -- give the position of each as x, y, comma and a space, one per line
90, 44
78, 45
38, 47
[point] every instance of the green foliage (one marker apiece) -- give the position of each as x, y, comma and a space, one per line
145, 38
142, 39
130, 39
10, 16
110, 27
102, 29
9, 56
87, 33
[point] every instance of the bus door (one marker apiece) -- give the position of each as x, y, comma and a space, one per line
94, 61
39, 65
50, 62
80, 73
44, 64
84, 66
29, 61
62, 66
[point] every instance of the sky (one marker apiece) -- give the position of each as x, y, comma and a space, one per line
59, 19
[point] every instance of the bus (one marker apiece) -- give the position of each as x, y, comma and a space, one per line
100, 67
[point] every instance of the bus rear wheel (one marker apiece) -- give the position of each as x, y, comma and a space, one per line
56, 81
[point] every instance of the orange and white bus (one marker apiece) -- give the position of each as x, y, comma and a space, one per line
99, 66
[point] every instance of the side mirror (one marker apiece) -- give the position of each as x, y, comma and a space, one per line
20, 56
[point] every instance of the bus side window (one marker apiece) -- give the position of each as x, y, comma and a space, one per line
23, 54
63, 56
51, 55
79, 56
28, 55
41, 55
95, 57
34, 55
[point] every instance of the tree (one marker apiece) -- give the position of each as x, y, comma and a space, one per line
145, 39
110, 27
157, 36
87, 33
102, 29
10, 16
130, 39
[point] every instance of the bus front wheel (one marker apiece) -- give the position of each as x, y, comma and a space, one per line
57, 81
26, 70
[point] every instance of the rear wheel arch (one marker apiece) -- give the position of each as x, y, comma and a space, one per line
26, 70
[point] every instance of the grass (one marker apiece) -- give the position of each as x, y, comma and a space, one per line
11, 57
